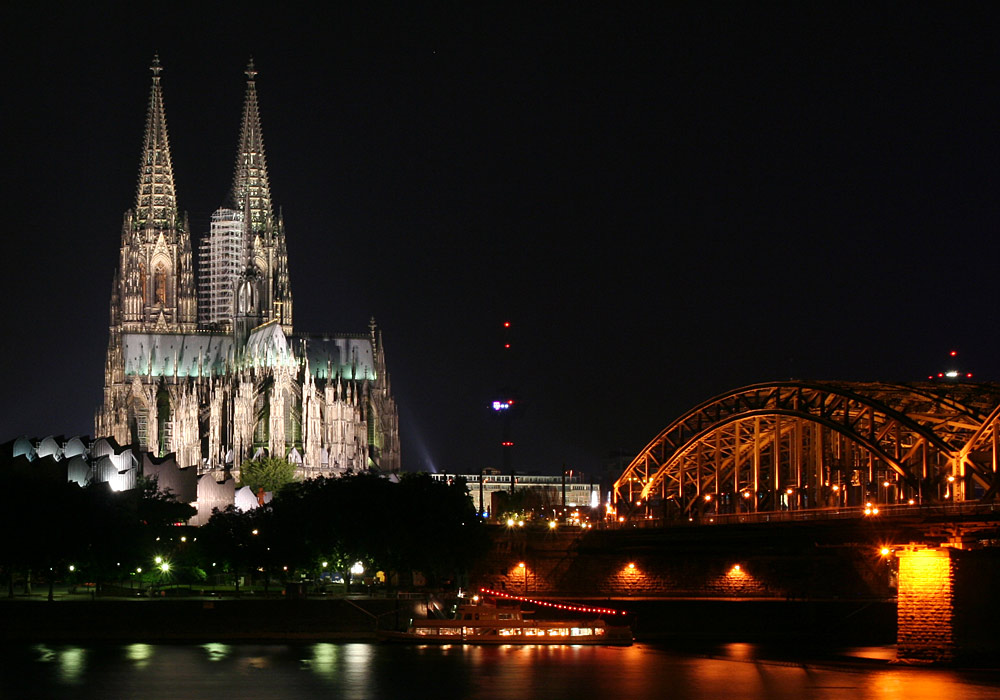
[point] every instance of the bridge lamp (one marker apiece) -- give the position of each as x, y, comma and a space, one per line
708, 497
885, 551
951, 478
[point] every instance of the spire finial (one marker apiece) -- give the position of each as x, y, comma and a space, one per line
251, 72
155, 198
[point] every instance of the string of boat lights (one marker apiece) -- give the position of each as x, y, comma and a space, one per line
546, 604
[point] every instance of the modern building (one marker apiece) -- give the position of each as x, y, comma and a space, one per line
545, 492
220, 375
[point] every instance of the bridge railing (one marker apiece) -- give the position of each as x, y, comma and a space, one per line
848, 513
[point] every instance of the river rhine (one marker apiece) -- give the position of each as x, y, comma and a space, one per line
367, 670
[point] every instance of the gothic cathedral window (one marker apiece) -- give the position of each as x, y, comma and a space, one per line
160, 282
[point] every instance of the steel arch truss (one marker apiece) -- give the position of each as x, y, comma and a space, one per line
798, 445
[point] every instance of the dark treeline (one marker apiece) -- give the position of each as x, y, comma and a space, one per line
54, 530
417, 524
49, 525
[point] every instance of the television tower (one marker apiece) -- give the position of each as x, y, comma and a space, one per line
507, 405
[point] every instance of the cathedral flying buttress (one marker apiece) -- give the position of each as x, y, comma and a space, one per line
210, 369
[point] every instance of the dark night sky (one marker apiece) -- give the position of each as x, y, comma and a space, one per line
666, 205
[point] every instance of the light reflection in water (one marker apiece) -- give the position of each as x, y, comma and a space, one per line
324, 659
557, 672
216, 651
139, 654
72, 662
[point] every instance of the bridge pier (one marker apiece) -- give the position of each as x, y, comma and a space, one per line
925, 610
946, 606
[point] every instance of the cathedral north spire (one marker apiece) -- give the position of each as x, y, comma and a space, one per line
251, 189
156, 201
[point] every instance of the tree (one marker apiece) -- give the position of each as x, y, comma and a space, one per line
268, 473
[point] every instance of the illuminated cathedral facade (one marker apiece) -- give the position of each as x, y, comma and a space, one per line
211, 369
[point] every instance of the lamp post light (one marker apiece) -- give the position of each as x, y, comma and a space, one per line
357, 570
524, 569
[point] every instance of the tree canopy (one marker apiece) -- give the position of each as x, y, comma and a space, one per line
268, 473
417, 524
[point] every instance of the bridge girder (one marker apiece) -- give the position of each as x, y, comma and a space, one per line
805, 444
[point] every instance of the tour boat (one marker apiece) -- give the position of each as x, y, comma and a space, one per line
480, 622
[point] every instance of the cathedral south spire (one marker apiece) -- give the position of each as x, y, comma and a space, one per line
245, 233
156, 202
251, 189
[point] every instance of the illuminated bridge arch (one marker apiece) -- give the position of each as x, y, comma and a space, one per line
799, 445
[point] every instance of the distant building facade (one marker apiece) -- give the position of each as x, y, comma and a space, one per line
212, 370
546, 491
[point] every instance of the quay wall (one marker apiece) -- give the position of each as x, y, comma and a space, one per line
716, 562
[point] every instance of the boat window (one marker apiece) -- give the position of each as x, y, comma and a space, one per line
450, 630
581, 632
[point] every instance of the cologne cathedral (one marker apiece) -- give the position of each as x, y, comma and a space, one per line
210, 369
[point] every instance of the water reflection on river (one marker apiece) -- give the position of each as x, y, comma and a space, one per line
349, 670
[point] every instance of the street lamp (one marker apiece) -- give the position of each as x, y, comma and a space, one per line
356, 570
523, 568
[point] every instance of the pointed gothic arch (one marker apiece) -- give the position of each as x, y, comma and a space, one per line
142, 284
164, 421
138, 423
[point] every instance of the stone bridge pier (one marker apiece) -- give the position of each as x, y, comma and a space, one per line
948, 604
